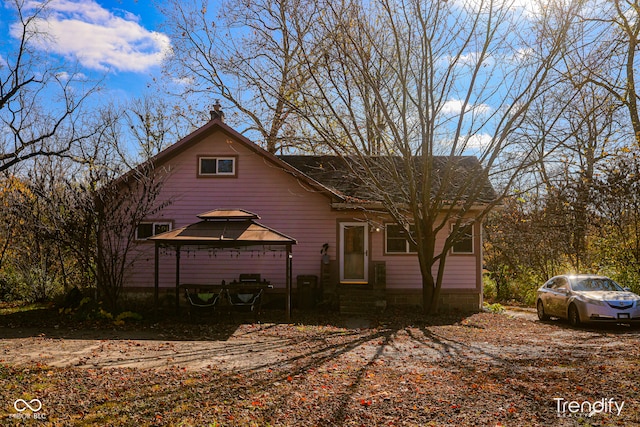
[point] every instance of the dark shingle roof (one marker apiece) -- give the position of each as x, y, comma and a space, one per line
465, 176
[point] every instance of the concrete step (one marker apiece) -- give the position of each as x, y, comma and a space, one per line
361, 302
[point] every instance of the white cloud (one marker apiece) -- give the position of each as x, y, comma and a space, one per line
474, 144
454, 107
65, 76
97, 38
183, 81
478, 141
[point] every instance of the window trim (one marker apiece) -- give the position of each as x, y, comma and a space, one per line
217, 158
407, 250
153, 224
473, 241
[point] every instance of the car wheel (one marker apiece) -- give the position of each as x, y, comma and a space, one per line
541, 313
574, 315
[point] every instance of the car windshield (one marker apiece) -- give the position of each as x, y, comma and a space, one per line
594, 284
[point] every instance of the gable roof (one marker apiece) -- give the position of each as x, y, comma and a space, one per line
332, 175
217, 124
464, 175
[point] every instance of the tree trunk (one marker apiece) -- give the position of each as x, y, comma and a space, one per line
427, 293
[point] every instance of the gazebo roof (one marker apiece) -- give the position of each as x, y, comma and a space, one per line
225, 229
228, 215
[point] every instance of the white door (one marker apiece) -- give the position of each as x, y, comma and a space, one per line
354, 252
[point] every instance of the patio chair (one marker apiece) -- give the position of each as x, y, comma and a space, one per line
201, 299
245, 299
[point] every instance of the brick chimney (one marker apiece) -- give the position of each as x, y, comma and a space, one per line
217, 113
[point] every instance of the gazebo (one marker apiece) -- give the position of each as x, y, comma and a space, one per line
231, 229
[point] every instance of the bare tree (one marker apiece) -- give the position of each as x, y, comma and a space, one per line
248, 55
617, 213
154, 125
526, 242
607, 54
39, 101
575, 146
423, 85
584, 138
92, 203
114, 198
119, 209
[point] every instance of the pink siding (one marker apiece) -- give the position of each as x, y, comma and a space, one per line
283, 203
403, 271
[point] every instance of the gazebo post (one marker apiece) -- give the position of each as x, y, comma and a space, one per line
156, 277
177, 279
289, 260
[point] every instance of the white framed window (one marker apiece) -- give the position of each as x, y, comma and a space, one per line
150, 229
217, 166
465, 243
397, 241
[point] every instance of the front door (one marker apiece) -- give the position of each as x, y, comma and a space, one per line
354, 252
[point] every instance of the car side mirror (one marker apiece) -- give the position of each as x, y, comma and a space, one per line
626, 289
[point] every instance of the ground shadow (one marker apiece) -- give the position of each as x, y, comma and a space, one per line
203, 325
235, 342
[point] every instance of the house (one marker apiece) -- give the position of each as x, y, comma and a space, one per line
357, 258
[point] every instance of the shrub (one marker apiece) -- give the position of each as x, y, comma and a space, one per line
489, 288
493, 308
129, 315
626, 278
14, 288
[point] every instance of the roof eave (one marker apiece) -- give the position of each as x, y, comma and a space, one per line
366, 205
222, 244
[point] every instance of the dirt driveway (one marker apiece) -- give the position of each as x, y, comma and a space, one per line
483, 369
141, 350
254, 346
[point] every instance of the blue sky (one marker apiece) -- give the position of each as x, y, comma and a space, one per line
119, 40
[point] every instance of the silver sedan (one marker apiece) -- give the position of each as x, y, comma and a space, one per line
587, 298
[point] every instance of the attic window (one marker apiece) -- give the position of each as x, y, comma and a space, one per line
214, 166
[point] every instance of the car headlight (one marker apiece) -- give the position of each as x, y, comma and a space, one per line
593, 301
